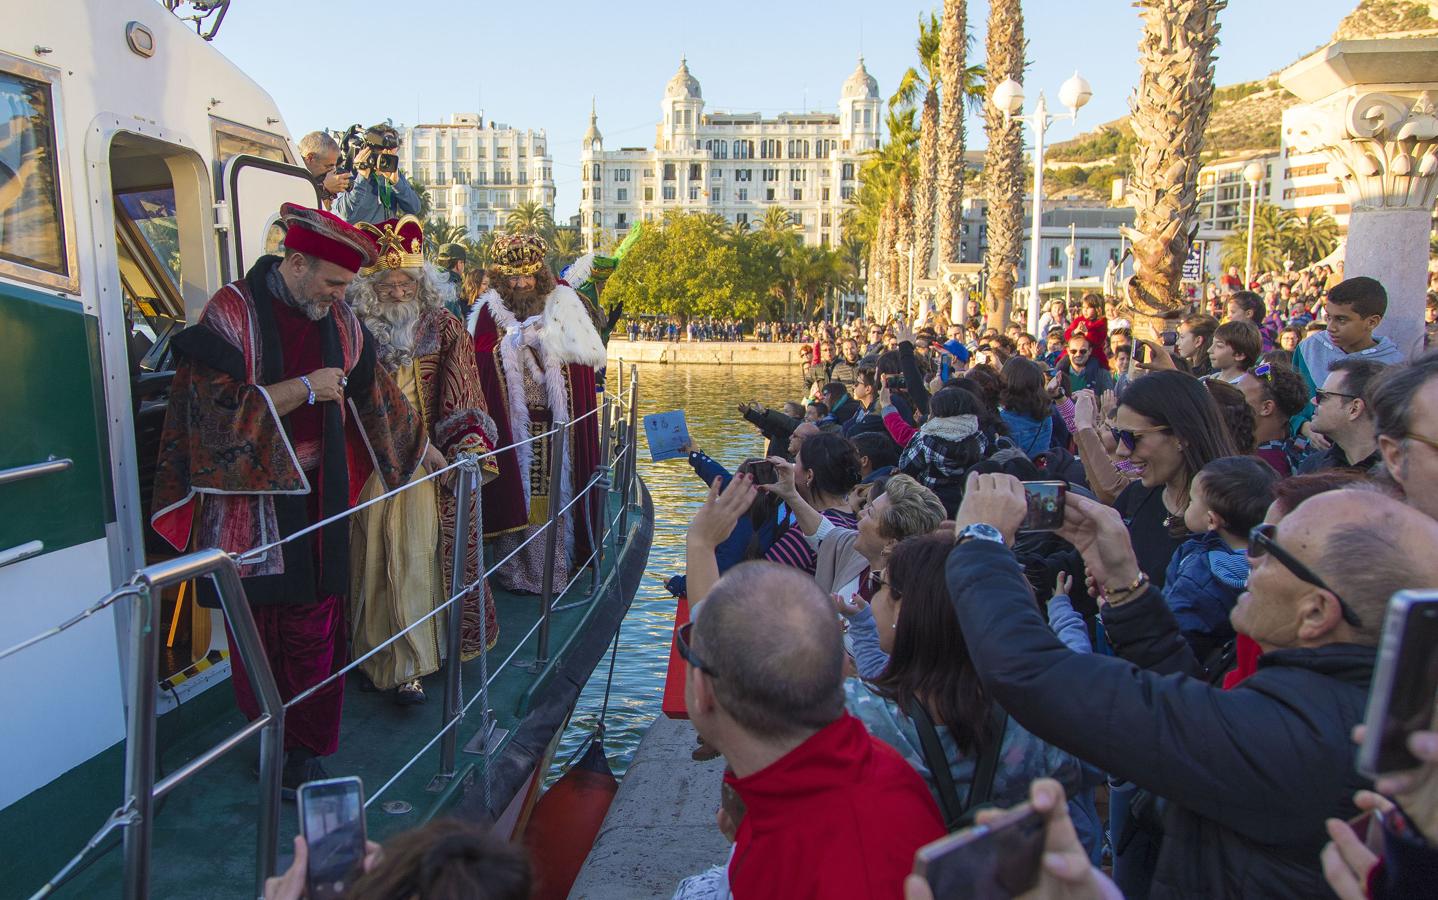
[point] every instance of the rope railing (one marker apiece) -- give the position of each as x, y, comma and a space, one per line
142, 789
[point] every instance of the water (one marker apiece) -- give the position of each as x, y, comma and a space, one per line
709, 395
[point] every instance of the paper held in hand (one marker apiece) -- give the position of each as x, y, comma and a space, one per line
667, 434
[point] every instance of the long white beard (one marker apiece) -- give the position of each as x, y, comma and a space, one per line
393, 325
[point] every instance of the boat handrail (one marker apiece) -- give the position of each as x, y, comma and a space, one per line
136, 815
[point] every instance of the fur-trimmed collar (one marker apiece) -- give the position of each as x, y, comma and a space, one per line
568, 334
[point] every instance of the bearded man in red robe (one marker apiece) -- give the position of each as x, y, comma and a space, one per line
537, 345
279, 411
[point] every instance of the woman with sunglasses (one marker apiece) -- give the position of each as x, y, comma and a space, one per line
930, 682
1167, 428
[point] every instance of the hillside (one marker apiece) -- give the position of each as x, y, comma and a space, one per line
1246, 116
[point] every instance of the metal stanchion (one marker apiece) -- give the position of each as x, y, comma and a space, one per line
557, 446
140, 742
463, 524
599, 507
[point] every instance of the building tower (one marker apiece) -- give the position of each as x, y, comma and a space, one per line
859, 111
591, 154
683, 107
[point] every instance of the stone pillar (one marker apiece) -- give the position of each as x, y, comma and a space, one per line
957, 280
1371, 108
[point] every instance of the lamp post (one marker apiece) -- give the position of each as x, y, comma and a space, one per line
1252, 173
1008, 98
1069, 273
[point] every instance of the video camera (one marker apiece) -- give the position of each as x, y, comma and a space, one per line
380, 140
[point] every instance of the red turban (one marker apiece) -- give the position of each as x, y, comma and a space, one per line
326, 236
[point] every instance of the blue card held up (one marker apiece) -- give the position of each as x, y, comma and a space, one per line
667, 433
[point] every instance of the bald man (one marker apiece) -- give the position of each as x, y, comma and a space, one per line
1250, 774
830, 811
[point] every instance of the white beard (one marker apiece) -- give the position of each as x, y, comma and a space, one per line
393, 325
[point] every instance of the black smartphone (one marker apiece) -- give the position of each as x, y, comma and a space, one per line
1405, 684
1139, 353
1046, 505
761, 470
332, 822
1168, 338
986, 862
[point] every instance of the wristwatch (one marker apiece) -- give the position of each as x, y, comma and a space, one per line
980, 532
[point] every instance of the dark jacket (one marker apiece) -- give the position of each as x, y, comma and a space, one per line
1250, 774
776, 427
1335, 458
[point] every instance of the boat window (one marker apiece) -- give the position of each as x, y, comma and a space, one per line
148, 245
233, 139
153, 214
31, 227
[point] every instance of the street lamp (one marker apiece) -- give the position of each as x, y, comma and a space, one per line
1008, 98
1069, 276
1252, 173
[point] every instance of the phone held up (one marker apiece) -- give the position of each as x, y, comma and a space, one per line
332, 822
995, 861
761, 470
1405, 683
1046, 505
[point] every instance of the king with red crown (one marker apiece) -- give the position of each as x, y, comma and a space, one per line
537, 346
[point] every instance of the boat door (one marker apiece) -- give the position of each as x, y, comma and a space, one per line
254, 188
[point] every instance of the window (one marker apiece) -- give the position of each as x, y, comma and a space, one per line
797, 218
622, 220
481, 177
599, 193
716, 195
824, 194
501, 153
741, 219
594, 172
846, 172
461, 153
693, 192
822, 148
669, 171
743, 149
421, 153
798, 149
1113, 254
717, 149
621, 174
621, 195
523, 151
769, 194
649, 195
823, 238
1084, 260
482, 152
824, 220
1054, 253
648, 173
846, 192
669, 192
769, 150
771, 174
797, 174
696, 171
743, 174
716, 174
742, 195
443, 151
796, 194
461, 175
868, 118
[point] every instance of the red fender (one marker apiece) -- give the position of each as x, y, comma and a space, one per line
566, 821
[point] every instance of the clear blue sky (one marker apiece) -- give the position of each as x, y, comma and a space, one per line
536, 65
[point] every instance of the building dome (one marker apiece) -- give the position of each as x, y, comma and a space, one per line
592, 136
683, 86
861, 85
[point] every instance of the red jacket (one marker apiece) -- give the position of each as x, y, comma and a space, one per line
839, 817
1096, 331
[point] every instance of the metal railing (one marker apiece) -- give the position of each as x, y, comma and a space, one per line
616, 472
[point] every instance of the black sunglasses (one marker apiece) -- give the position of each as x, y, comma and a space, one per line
1261, 542
1320, 395
1129, 436
686, 650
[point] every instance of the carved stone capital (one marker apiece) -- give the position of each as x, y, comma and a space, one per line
1381, 146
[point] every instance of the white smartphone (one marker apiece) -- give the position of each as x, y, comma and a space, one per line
332, 822
1405, 684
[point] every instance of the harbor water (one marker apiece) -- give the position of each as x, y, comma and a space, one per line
709, 396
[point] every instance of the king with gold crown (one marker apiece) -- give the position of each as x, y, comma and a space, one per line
537, 345
396, 577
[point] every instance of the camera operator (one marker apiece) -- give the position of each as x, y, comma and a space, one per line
380, 191
321, 155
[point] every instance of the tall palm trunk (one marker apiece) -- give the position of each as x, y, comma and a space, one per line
905, 238
873, 280
952, 34
926, 184
1170, 111
889, 258
1004, 162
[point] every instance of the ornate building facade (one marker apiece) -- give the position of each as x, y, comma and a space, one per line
737, 165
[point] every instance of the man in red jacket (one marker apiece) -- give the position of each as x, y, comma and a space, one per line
830, 812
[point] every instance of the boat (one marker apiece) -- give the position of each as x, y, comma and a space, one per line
140, 170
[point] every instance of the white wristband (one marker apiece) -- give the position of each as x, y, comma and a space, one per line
305, 380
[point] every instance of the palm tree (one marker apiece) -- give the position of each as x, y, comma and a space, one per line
924, 78
530, 218
1169, 113
1313, 236
1281, 236
438, 233
1004, 161
953, 38
564, 248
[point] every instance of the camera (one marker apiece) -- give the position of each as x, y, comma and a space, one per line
350, 143
895, 383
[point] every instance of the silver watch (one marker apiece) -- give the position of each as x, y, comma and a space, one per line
981, 532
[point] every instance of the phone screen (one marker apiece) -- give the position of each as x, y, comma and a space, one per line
996, 861
1404, 685
332, 819
762, 471
1046, 505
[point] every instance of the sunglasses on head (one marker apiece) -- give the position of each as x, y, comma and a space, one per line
1129, 436
686, 649
1261, 543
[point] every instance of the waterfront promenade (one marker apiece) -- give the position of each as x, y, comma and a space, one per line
705, 353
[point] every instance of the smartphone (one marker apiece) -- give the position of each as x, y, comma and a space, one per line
1168, 338
761, 470
1405, 684
1046, 505
1368, 827
332, 822
1139, 353
987, 862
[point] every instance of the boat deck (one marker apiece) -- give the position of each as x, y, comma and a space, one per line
660, 828
204, 838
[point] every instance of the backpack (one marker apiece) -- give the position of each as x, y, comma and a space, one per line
958, 815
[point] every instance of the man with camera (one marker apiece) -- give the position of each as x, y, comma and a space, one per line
321, 155
380, 191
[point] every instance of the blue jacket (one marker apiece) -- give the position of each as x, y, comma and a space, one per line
1029, 436
1201, 586
361, 203
731, 551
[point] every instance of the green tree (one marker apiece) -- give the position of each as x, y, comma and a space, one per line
689, 265
530, 218
1281, 236
564, 248
437, 233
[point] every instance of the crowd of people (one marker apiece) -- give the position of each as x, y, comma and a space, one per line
880, 651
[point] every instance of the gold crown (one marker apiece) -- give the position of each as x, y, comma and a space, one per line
400, 242
518, 254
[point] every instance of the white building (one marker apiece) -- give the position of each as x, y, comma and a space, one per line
1223, 192
477, 172
737, 165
